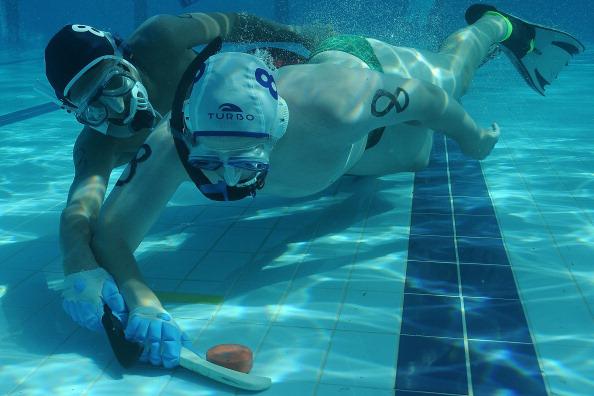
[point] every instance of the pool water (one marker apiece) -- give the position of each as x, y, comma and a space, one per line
467, 278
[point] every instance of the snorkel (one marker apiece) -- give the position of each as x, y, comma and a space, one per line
141, 114
115, 97
185, 140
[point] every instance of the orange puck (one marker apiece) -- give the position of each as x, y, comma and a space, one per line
232, 356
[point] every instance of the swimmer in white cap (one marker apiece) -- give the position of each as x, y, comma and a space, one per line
241, 128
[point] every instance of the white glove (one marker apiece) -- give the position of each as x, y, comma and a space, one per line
157, 331
85, 293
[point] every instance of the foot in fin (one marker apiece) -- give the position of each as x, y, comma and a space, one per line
538, 52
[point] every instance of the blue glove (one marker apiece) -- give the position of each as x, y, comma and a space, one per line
85, 293
161, 336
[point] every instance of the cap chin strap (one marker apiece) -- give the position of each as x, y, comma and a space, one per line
185, 83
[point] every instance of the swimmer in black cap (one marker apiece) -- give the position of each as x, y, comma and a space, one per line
119, 90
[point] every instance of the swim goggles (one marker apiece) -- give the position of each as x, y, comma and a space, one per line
240, 168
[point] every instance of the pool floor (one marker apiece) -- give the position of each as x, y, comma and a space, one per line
465, 279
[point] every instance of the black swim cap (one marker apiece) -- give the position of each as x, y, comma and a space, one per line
71, 50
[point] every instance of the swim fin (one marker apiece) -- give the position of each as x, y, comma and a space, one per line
538, 52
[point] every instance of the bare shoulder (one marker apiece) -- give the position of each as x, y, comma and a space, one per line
155, 32
308, 85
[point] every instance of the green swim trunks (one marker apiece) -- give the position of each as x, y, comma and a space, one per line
359, 47
351, 44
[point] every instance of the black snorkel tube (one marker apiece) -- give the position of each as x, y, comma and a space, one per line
185, 83
215, 192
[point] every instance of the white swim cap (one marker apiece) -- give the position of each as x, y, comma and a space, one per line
234, 94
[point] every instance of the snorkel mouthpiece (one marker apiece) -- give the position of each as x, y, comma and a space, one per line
143, 120
141, 114
231, 175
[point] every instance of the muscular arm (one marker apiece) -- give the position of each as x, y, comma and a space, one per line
190, 30
359, 101
93, 163
131, 209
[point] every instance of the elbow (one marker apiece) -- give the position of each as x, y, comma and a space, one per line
435, 104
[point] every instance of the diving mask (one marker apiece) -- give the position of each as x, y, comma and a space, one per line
117, 90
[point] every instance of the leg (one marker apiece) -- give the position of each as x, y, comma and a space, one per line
464, 50
453, 67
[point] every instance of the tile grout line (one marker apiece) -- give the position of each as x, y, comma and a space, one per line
230, 289
287, 290
544, 375
459, 276
552, 235
531, 343
345, 291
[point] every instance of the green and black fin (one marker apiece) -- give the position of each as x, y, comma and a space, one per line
538, 52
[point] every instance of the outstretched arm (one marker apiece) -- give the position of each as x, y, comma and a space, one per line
362, 100
131, 209
92, 166
87, 286
190, 30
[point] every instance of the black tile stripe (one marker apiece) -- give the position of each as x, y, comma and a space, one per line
25, 114
431, 355
16, 61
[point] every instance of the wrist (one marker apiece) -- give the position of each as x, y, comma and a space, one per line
137, 294
77, 263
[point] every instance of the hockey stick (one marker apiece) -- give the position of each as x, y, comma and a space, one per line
127, 353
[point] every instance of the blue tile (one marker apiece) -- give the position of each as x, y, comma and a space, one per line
469, 188
473, 206
438, 161
496, 320
431, 365
431, 224
432, 173
494, 281
427, 315
431, 278
439, 141
431, 248
415, 393
434, 205
500, 368
453, 147
432, 187
436, 169
477, 226
456, 157
482, 251
464, 169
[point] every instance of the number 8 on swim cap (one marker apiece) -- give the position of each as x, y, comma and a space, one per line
87, 28
74, 50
